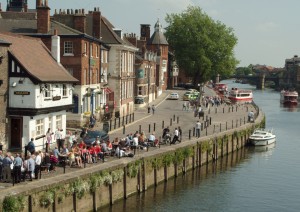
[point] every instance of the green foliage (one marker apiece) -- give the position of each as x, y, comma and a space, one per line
167, 159
13, 203
206, 146
107, 178
47, 198
96, 180
157, 163
225, 138
202, 47
117, 175
219, 140
80, 187
187, 152
133, 169
179, 156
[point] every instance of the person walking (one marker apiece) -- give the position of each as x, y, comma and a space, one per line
199, 111
31, 146
153, 109
176, 136
149, 108
198, 128
180, 134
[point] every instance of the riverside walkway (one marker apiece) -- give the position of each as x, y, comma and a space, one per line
167, 113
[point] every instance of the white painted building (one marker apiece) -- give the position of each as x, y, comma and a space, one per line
40, 90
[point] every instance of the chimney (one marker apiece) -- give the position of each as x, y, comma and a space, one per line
55, 46
43, 16
0, 7
96, 23
145, 31
79, 21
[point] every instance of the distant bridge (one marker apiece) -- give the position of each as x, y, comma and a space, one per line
259, 79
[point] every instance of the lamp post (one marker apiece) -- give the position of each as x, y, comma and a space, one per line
200, 92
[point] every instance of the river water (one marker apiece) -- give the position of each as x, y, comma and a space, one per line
253, 179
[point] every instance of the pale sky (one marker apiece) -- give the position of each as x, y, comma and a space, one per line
267, 30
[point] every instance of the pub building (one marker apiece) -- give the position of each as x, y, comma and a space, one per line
40, 90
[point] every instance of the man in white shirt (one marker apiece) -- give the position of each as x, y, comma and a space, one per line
58, 138
176, 136
38, 161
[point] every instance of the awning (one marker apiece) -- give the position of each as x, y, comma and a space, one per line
108, 90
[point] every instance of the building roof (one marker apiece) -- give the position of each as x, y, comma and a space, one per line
158, 37
37, 60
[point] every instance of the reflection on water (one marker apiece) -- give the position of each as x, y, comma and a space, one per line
264, 151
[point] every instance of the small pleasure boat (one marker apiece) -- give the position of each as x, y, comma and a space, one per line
237, 95
289, 97
262, 137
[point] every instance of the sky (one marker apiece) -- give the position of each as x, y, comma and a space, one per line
267, 30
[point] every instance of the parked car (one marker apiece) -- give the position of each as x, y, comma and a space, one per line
174, 96
91, 135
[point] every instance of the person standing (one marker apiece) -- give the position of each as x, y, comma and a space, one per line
176, 136
49, 139
1, 162
198, 128
38, 161
7, 161
180, 133
153, 109
31, 146
58, 138
199, 111
149, 108
18, 162
92, 121
30, 166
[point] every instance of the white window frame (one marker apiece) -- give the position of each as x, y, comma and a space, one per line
39, 126
48, 91
59, 121
68, 48
64, 90
97, 51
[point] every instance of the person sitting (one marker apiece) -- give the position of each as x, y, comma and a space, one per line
109, 146
151, 139
77, 154
92, 153
53, 161
119, 152
85, 155
81, 145
56, 152
165, 131
135, 142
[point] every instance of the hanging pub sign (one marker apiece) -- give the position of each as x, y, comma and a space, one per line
22, 93
56, 98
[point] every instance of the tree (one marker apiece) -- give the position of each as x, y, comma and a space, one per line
203, 47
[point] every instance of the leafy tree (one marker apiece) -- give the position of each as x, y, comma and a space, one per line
203, 47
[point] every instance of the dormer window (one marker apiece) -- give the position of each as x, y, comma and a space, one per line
47, 91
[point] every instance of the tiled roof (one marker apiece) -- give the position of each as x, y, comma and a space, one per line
34, 56
158, 38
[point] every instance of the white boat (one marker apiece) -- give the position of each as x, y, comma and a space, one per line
289, 97
262, 137
237, 95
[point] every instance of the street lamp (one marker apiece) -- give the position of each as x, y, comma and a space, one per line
200, 91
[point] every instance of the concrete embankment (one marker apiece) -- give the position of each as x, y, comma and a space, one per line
98, 186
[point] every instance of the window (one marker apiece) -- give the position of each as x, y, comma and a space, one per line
64, 90
18, 69
58, 122
97, 51
39, 125
50, 122
12, 66
68, 48
85, 49
140, 90
47, 90
102, 56
91, 49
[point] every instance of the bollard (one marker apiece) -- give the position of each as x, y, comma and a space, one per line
159, 141
209, 120
154, 126
174, 117
226, 125
123, 129
223, 109
190, 134
216, 110
236, 108
171, 122
115, 125
209, 111
133, 117
84, 160
220, 127
236, 123
193, 131
163, 124
123, 120
232, 124
140, 128
149, 128
110, 124
206, 131
130, 118
126, 119
119, 122
228, 109
64, 165
177, 119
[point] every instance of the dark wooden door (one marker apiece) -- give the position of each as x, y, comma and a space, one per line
16, 133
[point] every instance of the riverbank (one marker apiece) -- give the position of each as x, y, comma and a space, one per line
100, 185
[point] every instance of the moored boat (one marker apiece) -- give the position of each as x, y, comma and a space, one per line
237, 95
262, 137
289, 97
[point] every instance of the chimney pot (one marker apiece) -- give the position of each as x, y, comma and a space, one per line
83, 12
68, 11
55, 32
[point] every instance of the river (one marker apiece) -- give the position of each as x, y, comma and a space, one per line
253, 179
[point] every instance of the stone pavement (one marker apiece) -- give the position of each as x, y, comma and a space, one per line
218, 119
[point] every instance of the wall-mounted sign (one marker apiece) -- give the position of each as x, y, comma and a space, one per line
56, 98
22, 93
